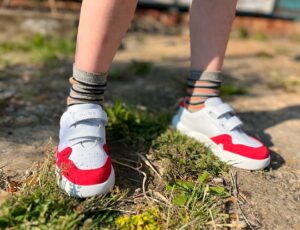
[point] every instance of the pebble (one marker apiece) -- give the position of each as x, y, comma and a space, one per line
218, 180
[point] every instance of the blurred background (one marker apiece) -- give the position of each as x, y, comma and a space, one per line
262, 75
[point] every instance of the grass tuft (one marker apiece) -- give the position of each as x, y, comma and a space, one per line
188, 175
144, 221
134, 126
187, 157
260, 36
140, 67
184, 196
41, 49
41, 204
231, 90
240, 33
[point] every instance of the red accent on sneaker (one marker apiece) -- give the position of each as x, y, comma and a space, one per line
259, 153
182, 104
80, 176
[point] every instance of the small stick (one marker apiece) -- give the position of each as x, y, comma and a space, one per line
213, 220
235, 193
159, 195
147, 162
189, 223
169, 208
138, 170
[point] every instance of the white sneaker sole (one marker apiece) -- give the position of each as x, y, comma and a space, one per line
225, 156
83, 191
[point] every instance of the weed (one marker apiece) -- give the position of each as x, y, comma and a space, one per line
231, 90
264, 54
134, 68
193, 198
291, 84
41, 49
133, 126
187, 156
140, 38
259, 36
2, 180
240, 33
188, 180
117, 74
144, 221
140, 67
40, 203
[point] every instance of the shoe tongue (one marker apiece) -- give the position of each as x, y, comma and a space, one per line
81, 107
214, 101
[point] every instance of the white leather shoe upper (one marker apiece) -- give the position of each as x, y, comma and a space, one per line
215, 119
82, 128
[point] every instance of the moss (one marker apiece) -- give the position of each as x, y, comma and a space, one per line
144, 221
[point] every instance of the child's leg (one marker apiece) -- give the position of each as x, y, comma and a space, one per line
210, 25
102, 26
86, 168
203, 115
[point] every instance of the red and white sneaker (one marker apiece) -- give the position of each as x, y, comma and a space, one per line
219, 129
83, 166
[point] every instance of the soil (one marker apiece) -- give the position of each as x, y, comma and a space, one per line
32, 98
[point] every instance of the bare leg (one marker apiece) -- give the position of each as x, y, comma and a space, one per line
210, 25
102, 26
208, 118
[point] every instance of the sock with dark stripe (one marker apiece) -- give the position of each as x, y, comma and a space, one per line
86, 87
201, 85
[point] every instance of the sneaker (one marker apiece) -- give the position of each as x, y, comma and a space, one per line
219, 129
83, 166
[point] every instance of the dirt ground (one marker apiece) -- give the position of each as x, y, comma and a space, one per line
268, 72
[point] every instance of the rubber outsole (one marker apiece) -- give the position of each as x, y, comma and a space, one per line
225, 156
85, 191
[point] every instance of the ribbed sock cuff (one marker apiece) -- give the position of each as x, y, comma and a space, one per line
201, 85
86, 87
199, 75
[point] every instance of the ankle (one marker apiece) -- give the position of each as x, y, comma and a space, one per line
86, 87
201, 85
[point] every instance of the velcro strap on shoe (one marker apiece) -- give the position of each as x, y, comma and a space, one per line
88, 114
85, 132
222, 109
233, 123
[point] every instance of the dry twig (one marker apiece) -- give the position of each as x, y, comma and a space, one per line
147, 162
138, 170
236, 201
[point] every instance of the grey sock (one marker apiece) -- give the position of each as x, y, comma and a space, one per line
86, 87
202, 85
